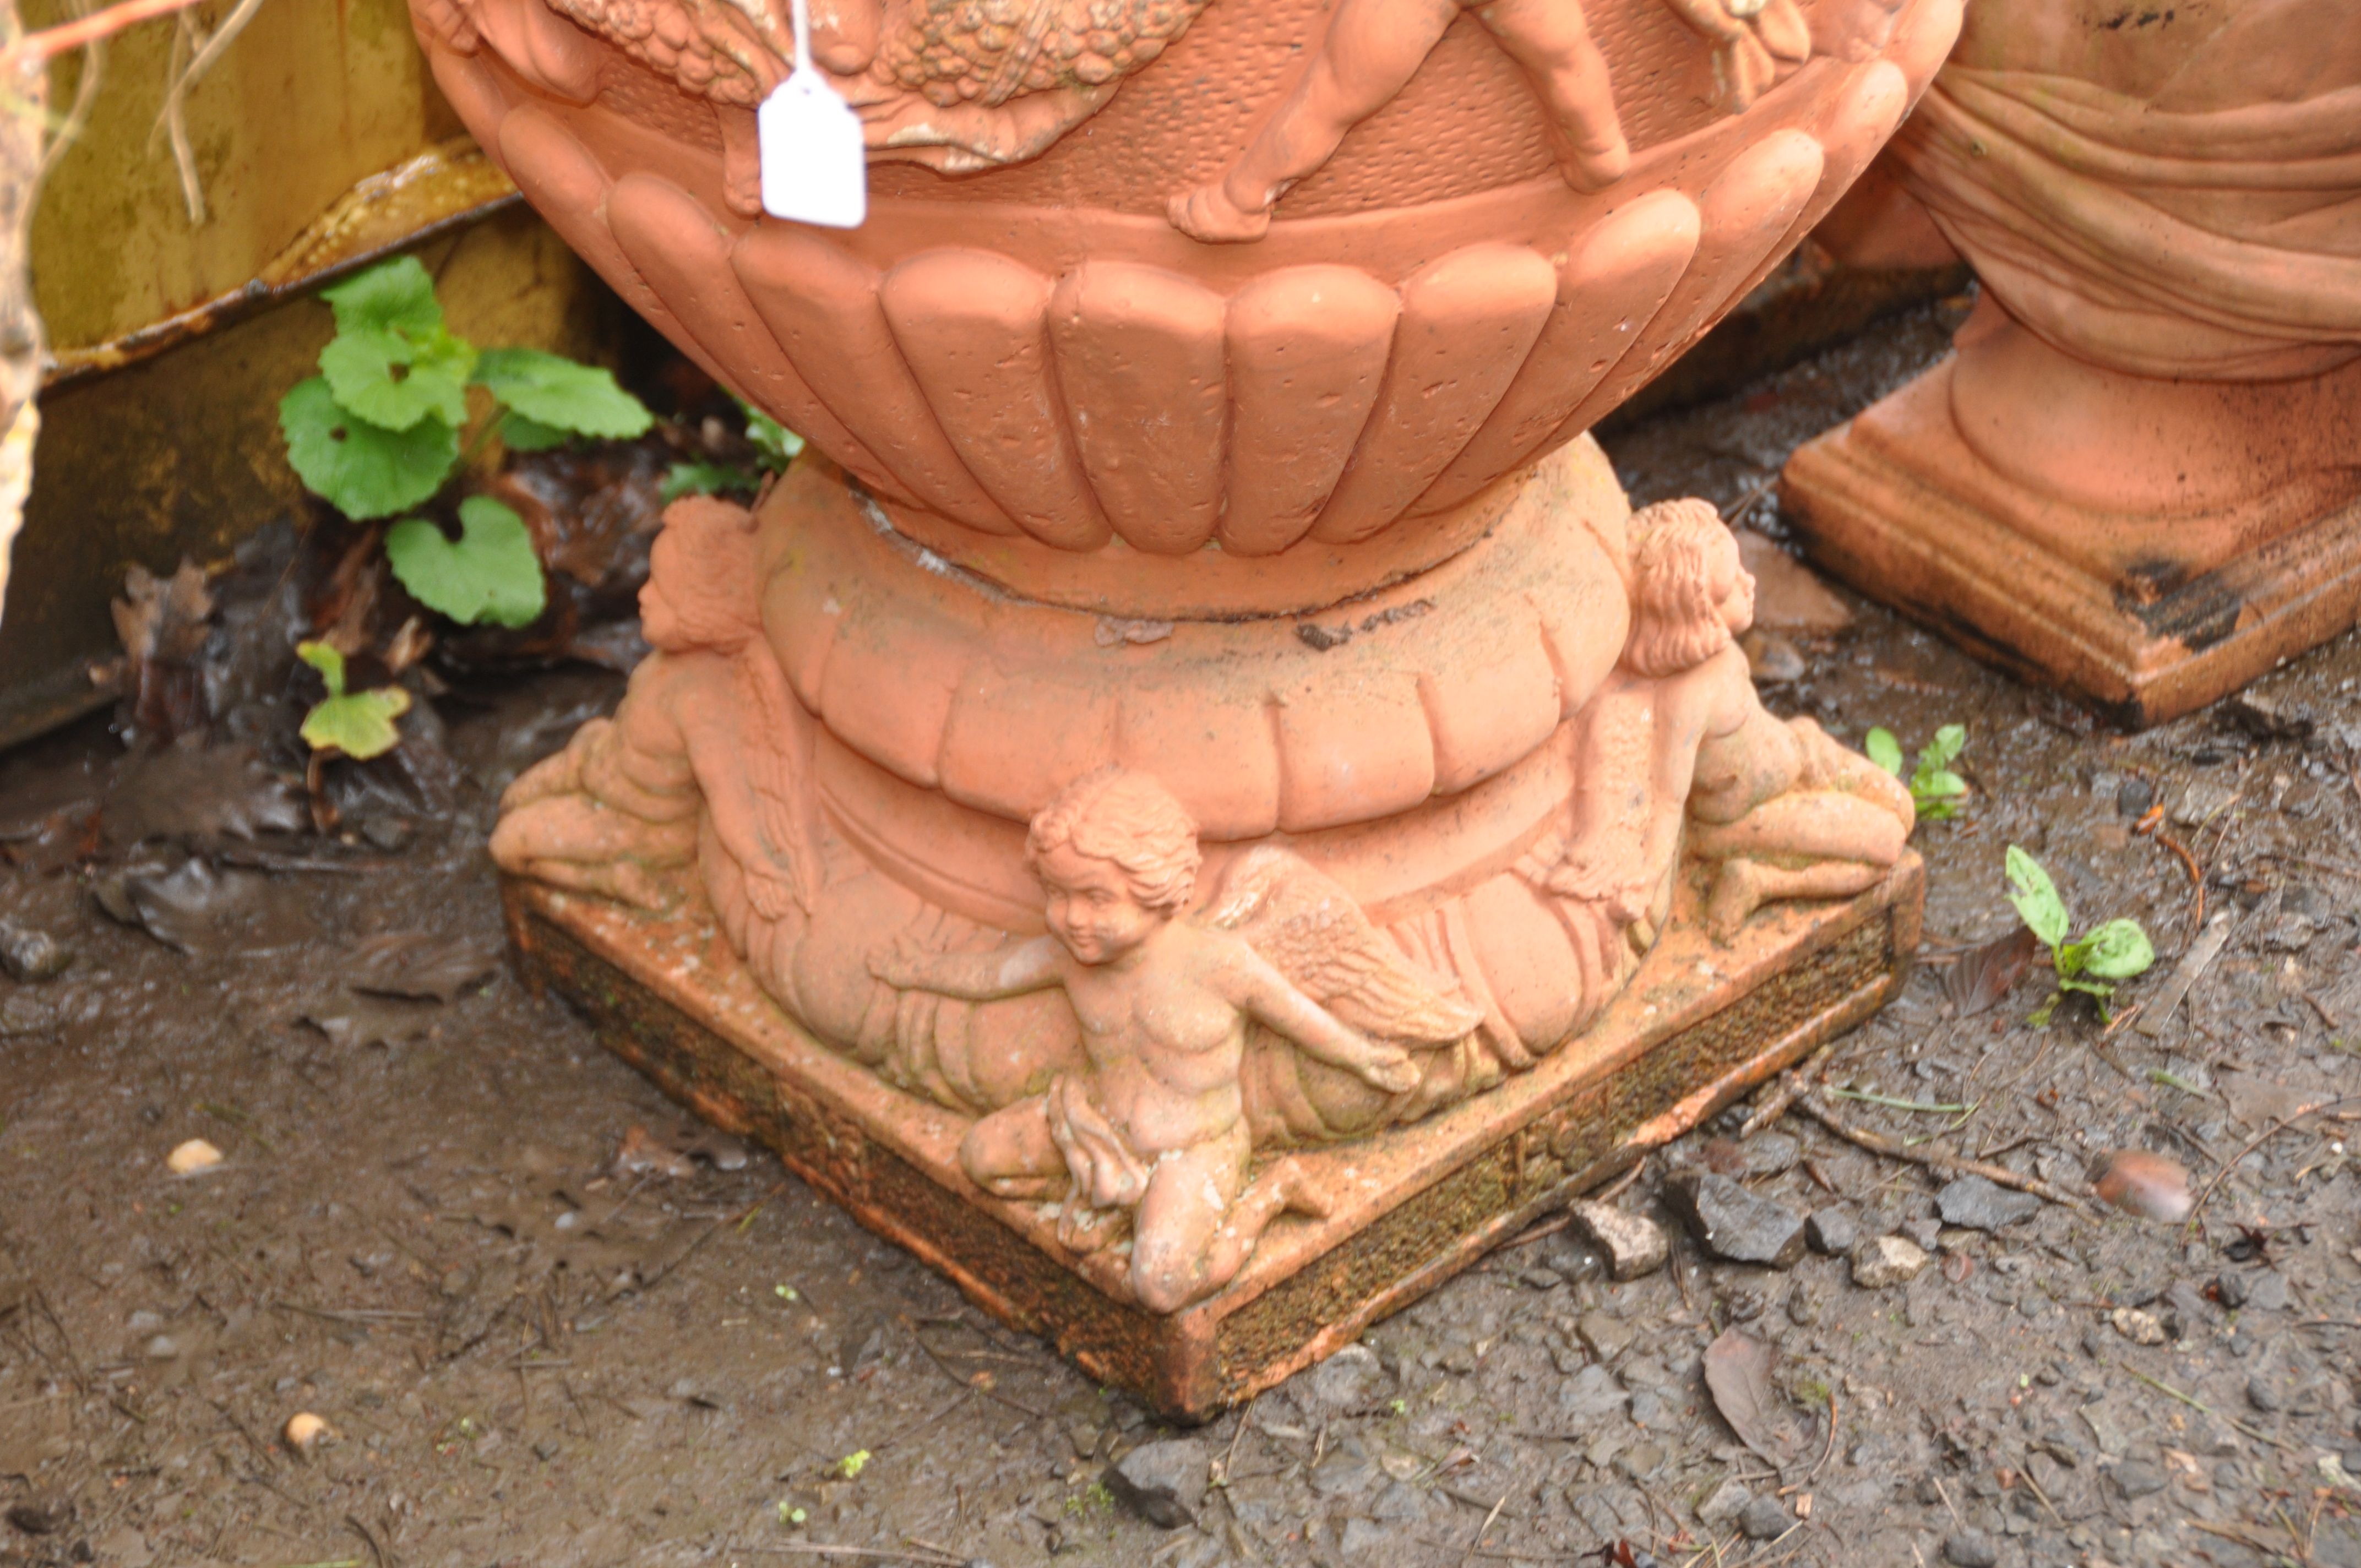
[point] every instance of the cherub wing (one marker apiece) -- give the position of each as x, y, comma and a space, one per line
1315, 934
785, 864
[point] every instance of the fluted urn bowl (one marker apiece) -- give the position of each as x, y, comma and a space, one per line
1040, 376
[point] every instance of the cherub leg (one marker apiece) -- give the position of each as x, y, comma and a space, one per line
1010, 1153
1816, 824
1744, 886
1174, 1229
574, 842
1372, 50
1829, 764
1551, 40
1283, 1187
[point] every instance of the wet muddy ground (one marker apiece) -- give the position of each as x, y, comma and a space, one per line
549, 1321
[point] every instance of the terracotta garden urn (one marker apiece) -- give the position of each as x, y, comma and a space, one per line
1201, 807
2138, 477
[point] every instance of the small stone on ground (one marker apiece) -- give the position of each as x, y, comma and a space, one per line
1733, 1224
1982, 1205
1634, 1246
1885, 1261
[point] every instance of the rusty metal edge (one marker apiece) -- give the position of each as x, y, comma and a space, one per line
446, 181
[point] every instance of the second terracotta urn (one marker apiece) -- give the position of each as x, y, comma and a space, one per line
2139, 476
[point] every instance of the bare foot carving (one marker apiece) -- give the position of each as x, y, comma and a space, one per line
1207, 213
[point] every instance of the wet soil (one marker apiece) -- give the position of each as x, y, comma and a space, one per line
538, 1339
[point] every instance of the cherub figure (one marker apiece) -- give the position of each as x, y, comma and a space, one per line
708, 731
1158, 1125
1374, 47
1678, 737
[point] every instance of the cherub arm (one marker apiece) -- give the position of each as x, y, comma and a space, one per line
1272, 999
1011, 970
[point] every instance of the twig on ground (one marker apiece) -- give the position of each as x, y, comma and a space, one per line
1798, 1079
350, 1315
867, 1553
376, 1551
948, 1370
2152, 826
1527, 1237
2043, 1497
1831, 1447
1485, 1526
1615, 1189
1936, 1159
1217, 1472
2247, 1539
2266, 1135
1923, 1107
2196, 1404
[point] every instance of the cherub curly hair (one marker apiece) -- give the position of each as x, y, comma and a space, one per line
705, 564
1685, 561
1127, 818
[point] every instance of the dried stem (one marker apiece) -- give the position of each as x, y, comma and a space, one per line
36, 49
1936, 1159
1799, 1077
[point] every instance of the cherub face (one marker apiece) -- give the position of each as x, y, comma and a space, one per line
659, 622
1092, 909
1736, 604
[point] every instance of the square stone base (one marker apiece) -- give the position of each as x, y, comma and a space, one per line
1699, 1025
1909, 515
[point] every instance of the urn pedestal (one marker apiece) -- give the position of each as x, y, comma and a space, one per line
1200, 807
2136, 478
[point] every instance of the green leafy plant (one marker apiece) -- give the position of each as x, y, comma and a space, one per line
358, 724
2112, 952
380, 429
491, 573
1934, 788
852, 1464
775, 446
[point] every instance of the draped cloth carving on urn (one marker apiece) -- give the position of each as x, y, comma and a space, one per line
2136, 477
1206, 697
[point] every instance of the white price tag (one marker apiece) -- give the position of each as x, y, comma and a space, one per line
815, 167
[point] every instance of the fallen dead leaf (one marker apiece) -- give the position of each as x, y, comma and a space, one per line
1985, 976
419, 965
1737, 1373
195, 792
641, 1154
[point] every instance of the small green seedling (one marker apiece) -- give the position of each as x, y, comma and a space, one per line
378, 431
1934, 788
775, 446
791, 1515
491, 573
852, 1464
2115, 951
358, 724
